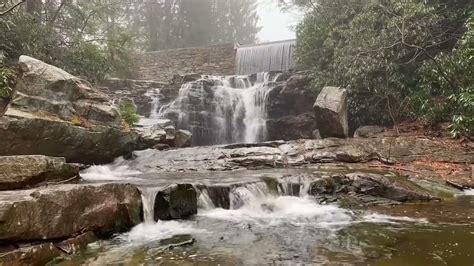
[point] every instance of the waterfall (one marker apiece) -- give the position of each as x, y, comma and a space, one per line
277, 56
155, 102
204, 201
220, 110
148, 195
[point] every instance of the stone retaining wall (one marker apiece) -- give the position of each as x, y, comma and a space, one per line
163, 65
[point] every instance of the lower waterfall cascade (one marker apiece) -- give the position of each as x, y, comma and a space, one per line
222, 109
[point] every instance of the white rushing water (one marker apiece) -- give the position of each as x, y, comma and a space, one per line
277, 56
223, 109
468, 192
110, 172
148, 200
255, 203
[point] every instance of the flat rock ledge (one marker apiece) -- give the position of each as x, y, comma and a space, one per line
58, 212
280, 154
38, 225
19, 172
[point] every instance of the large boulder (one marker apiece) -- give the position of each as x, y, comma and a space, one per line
176, 202
43, 253
24, 133
290, 113
59, 212
394, 188
183, 138
43, 87
162, 131
57, 114
17, 172
331, 112
291, 127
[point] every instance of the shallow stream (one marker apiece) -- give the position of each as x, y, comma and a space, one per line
263, 228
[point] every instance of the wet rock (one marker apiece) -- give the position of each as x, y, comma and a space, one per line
161, 132
26, 133
142, 92
183, 138
385, 187
219, 195
176, 202
17, 172
290, 112
370, 184
161, 147
273, 144
62, 211
43, 253
177, 241
39, 254
331, 112
301, 152
368, 131
291, 127
170, 132
4, 102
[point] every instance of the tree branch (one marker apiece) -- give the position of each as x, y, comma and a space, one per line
11, 8
57, 11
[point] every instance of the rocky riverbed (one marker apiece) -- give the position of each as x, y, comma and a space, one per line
317, 185
78, 187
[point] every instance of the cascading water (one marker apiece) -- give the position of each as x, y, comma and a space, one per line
155, 104
277, 56
148, 200
220, 110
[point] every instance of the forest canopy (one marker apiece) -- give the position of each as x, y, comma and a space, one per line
400, 59
96, 38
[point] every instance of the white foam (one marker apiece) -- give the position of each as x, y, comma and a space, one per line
468, 192
150, 232
387, 219
108, 173
278, 210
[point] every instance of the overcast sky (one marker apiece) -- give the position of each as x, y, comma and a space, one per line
276, 25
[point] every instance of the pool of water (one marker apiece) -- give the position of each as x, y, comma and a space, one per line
270, 229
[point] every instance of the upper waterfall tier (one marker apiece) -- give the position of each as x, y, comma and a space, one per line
276, 56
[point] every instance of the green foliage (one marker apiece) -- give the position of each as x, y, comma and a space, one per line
451, 98
128, 111
384, 52
7, 82
86, 60
79, 36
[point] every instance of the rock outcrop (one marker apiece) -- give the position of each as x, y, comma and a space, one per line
176, 202
24, 133
290, 108
43, 253
331, 112
63, 211
144, 93
18, 172
299, 153
46, 88
397, 189
183, 138
212, 108
57, 114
